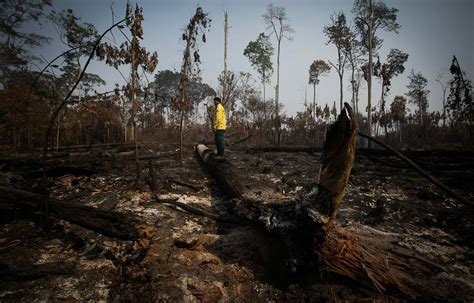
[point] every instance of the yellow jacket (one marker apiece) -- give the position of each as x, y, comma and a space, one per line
219, 118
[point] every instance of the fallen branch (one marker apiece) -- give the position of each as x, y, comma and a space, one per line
197, 211
422, 172
186, 184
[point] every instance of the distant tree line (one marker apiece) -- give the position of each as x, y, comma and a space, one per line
171, 106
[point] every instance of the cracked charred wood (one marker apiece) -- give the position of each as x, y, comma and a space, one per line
310, 237
107, 223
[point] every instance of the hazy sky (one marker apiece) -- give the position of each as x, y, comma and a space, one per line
431, 32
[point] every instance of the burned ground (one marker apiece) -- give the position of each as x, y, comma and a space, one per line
183, 256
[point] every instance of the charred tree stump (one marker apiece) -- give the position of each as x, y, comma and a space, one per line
311, 238
107, 223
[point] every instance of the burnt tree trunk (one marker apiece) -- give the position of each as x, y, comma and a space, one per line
312, 240
108, 223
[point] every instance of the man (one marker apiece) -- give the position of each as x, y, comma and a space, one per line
219, 126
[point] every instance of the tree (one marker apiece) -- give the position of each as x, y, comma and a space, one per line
317, 69
354, 56
15, 45
277, 21
259, 53
398, 114
238, 87
334, 111
444, 87
164, 90
15, 54
339, 34
80, 38
137, 56
190, 66
260, 112
393, 67
418, 94
326, 114
369, 17
459, 100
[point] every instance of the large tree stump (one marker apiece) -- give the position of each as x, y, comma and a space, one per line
312, 239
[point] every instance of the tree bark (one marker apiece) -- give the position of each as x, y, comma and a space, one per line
108, 223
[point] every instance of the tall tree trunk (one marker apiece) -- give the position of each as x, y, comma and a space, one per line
224, 86
134, 109
369, 78
314, 101
277, 94
353, 101
181, 124
340, 72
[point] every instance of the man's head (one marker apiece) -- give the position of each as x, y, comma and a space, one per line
217, 100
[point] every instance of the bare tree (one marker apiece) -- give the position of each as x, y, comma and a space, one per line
339, 34
444, 87
371, 15
190, 66
317, 69
277, 21
130, 52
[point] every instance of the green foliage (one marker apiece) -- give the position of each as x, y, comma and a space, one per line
317, 69
165, 88
259, 53
398, 109
80, 36
338, 32
418, 94
15, 44
393, 67
383, 17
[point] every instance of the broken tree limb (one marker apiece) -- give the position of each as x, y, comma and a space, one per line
197, 211
242, 140
421, 171
310, 241
108, 223
186, 184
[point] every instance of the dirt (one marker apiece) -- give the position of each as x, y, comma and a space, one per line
183, 257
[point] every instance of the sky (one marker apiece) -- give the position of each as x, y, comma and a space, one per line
431, 32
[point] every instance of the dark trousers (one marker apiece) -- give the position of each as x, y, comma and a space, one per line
219, 141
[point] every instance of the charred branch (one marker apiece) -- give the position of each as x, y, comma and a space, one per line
108, 223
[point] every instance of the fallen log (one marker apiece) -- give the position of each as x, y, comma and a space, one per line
285, 149
312, 240
110, 224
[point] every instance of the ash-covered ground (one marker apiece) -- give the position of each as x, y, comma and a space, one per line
185, 257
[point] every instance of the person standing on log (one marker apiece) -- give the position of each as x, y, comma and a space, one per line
219, 126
